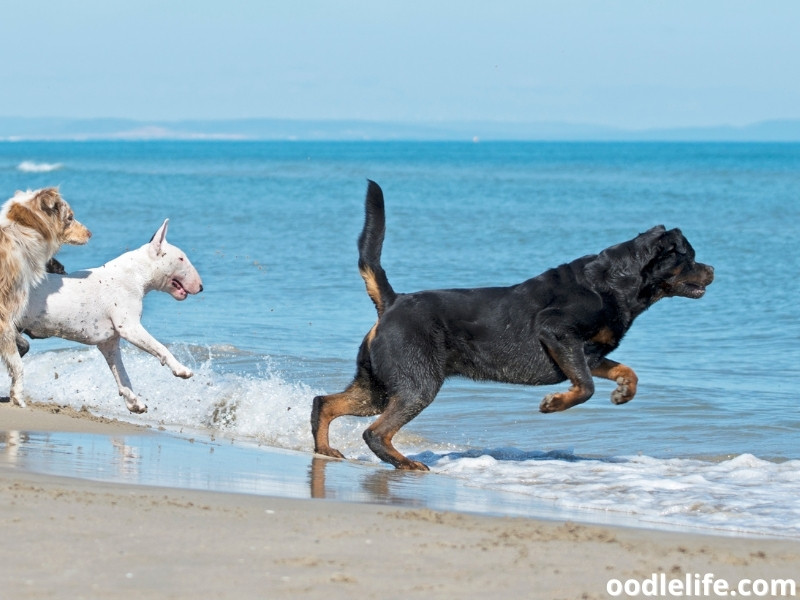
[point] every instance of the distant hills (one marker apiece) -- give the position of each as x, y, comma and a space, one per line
12, 129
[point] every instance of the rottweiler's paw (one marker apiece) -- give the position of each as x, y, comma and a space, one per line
413, 465
626, 389
553, 403
329, 452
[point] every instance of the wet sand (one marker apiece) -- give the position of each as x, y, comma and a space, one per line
79, 538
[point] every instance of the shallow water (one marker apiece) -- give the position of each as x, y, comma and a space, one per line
711, 440
225, 466
222, 465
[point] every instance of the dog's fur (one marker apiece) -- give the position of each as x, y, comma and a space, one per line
101, 305
555, 327
33, 226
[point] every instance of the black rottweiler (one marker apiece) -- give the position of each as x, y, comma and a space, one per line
555, 327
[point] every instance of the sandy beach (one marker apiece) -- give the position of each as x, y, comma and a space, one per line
75, 538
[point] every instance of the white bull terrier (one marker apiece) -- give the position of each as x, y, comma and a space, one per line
101, 305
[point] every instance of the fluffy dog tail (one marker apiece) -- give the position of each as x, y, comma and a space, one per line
370, 244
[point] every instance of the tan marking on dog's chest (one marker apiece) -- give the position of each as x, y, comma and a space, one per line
605, 336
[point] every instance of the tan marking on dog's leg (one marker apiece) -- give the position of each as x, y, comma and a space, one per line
378, 437
356, 400
567, 352
624, 377
560, 401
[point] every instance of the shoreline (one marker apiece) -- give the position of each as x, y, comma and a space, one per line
88, 538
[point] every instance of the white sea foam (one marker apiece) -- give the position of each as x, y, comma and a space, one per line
29, 166
256, 403
741, 494
259, 405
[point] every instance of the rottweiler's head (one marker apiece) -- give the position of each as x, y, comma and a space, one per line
670, 268
655, 264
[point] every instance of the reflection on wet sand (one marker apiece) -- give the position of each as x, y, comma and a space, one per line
221, 465
379, 485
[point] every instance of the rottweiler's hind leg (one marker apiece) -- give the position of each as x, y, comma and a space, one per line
622, 375
378, 436
357, 400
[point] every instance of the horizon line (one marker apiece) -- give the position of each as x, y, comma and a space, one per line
305, 129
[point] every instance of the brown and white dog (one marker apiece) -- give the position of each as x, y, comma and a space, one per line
33, 226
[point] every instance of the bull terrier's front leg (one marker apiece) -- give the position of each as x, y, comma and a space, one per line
111, 351
139, 337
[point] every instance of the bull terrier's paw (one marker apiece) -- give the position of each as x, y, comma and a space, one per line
182, 372
132, 401
137, 407
17, 399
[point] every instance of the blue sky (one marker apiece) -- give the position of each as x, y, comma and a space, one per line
633, 63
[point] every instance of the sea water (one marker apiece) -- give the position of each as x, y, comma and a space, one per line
711, 439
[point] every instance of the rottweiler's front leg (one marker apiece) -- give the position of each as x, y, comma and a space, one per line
557, 402
566, 349
622, 375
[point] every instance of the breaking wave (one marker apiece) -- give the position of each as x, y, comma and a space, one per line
28, 166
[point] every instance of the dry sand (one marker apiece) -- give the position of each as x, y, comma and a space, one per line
70, 538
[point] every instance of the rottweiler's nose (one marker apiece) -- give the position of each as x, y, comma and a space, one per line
709, 273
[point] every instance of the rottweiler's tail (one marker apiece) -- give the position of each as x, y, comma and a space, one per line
370, 244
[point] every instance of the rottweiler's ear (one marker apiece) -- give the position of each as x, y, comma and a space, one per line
671, 240
650, 243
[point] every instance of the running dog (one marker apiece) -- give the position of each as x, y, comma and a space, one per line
101, 305
33, 226
555, 327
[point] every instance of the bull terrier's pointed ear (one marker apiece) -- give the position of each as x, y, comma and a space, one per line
158, 238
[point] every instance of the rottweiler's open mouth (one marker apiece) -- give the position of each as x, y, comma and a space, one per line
694, 290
